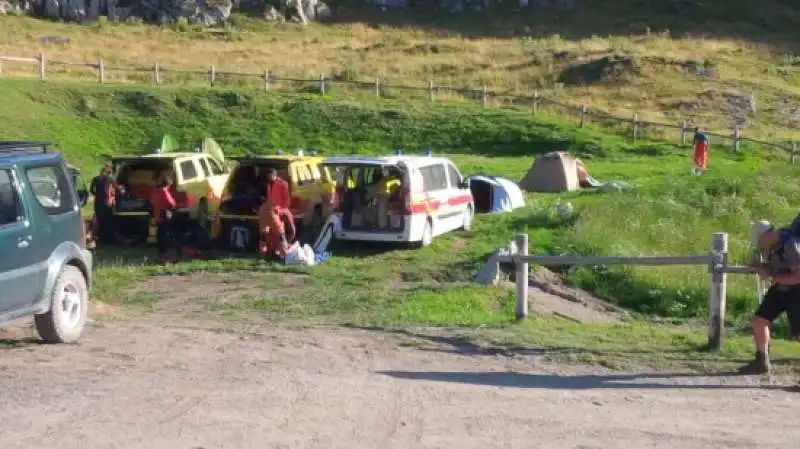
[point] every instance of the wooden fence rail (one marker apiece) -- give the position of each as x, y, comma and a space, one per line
323, 83
716, 261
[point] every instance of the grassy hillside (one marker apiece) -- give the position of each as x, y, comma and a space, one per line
668, 211
699, 64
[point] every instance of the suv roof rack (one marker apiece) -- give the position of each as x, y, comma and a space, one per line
11, 147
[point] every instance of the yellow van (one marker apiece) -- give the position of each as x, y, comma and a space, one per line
199, 178
311, 186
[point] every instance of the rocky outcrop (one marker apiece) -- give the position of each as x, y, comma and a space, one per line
216, 12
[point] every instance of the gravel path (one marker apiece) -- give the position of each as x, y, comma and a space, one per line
134, 384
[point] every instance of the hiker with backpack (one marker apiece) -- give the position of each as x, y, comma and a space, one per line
781, 249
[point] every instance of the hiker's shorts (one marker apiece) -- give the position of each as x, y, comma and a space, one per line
780, 299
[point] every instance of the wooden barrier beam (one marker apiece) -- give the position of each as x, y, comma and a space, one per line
608, 260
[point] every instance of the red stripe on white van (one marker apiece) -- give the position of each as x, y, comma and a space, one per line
458, 200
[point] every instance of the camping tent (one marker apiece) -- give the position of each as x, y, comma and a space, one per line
557, 172
162, 144
495, 194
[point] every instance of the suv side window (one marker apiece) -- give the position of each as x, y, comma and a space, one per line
454, 175
215, 168
314, 171
303, 174
50, 187
204, 166
434, 177
325, 173
10, 207
188, 170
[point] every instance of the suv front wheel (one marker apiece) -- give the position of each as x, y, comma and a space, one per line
69, 303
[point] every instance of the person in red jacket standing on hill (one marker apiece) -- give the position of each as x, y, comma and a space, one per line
700, 151
277, 204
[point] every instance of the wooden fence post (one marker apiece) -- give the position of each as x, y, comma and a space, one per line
266, 80
536, 102
430, 90
717, 291
213, 76
683, 133
737, 138
793, 157
322, 84
156, 74
584, 112
635, 126
522, 276
485, 96
42, 66
378, 87
101, 71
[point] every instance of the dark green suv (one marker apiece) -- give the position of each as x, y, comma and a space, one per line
45, 268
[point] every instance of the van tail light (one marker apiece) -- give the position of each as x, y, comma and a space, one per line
406, 194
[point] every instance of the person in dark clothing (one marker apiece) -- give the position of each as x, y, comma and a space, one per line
104, 190
782, 251
163, 210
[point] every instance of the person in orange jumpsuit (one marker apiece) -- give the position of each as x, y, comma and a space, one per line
163, 209
276, 204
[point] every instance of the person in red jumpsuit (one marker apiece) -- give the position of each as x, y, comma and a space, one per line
276, 206
163, 209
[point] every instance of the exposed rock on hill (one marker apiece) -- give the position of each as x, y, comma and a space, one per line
216, 12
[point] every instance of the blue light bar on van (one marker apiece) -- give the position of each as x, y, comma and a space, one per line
279, 152
300, 152
313, 151
198, 149
428, 152
398, 151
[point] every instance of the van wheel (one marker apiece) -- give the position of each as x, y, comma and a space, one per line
467, 225
427, 234
69, 304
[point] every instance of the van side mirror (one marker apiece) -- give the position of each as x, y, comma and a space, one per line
464, 184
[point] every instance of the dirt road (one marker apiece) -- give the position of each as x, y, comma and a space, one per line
139, 384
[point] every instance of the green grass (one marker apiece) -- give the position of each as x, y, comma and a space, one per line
667, 212
750, 46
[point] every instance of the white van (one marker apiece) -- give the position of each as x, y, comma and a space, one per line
430, 197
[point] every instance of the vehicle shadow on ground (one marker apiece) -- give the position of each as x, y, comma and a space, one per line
20, 343
574, 382
126, 256
461, 345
